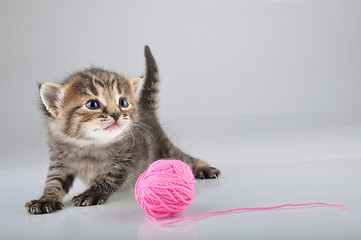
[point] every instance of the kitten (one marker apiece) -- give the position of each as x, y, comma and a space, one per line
99, 131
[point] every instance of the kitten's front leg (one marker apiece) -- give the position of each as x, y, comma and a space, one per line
56, 186
100, 190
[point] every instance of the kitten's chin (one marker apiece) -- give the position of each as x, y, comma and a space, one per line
107, 135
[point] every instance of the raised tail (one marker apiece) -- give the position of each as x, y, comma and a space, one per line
149, 94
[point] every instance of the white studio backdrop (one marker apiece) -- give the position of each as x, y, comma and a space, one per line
255, 62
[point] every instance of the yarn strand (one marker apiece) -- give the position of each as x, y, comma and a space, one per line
167, 188
246, 209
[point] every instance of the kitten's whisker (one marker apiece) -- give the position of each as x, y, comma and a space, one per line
131, 132
144, 130
143, 124
139, 132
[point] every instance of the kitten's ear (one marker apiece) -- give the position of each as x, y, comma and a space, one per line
136, 84
51, 94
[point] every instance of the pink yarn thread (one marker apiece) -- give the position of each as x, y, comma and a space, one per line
167, 188
245, 209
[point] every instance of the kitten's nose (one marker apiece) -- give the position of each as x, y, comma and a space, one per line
115, 115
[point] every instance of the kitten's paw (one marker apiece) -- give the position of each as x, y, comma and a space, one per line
43, 206
86, 199
206, 172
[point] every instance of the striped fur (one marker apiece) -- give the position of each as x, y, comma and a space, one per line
149, 95
109, 146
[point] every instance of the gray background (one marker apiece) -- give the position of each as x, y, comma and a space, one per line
243, 82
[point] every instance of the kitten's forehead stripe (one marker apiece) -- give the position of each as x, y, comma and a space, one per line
89, 84
93, 89
99, 83
113, 80
118, 87
110, 78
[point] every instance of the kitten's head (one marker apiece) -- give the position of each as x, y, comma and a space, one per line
91, 107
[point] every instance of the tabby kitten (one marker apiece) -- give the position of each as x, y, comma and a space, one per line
99, 131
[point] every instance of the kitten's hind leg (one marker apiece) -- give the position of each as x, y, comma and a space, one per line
202, 170
199, 168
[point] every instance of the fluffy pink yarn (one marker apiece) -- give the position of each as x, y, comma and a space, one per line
165, 189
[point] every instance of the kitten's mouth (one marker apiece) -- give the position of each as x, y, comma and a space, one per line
112, 127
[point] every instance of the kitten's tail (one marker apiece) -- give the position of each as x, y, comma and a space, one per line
149, 94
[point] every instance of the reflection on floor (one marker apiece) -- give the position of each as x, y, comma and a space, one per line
319, 165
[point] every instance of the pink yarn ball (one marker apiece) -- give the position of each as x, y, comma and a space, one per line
165, 189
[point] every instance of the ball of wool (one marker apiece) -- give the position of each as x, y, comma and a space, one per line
165, 189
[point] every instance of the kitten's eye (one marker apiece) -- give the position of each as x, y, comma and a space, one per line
123, 103
92, 104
